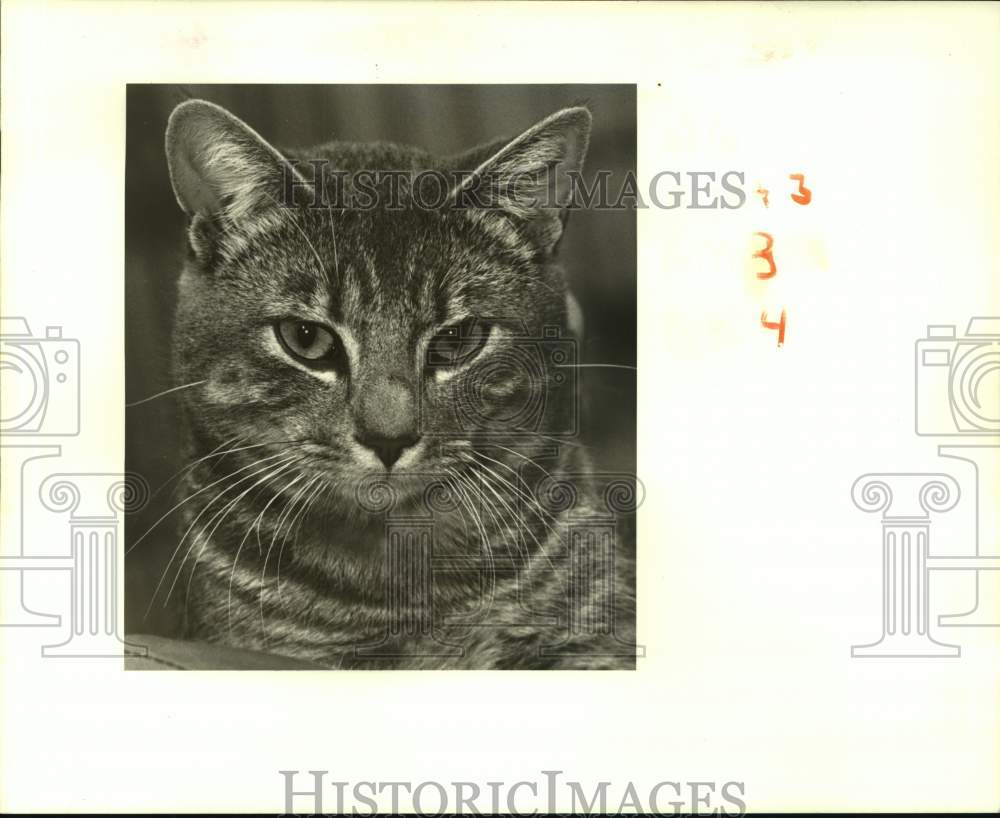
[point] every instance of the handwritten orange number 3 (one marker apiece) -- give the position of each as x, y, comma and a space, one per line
804, 196
767, 256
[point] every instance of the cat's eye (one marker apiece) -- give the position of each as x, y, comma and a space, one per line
308, 342
458, 344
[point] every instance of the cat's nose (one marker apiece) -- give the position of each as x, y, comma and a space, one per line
388, 449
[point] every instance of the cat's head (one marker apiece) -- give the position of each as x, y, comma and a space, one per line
391, 338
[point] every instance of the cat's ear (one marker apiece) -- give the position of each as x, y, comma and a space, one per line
530, 179
219, 166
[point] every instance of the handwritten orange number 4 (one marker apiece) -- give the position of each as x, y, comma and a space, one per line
778, 325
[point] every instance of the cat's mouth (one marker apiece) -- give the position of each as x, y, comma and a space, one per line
432, 480
390, 456
421, 493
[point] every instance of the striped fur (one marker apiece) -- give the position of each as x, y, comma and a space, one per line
287, 545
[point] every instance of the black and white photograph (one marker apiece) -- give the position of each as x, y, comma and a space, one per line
380, 371
477, 408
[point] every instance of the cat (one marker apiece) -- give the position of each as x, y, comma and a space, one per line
381, 473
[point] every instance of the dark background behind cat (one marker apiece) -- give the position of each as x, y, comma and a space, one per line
598, 254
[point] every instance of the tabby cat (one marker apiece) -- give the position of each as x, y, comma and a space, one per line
380, 406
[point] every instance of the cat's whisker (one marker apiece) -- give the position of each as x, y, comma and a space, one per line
223, 512
476, 517
322, 493
514, 517
177, 548
217, 453
195, 494
533, 506
218, 518
487, 548
194, 522
255, 526
450, 483
214, 453
490, 509
519, 518
595, 366
487, 600
320, 489
164, 392
286, 514
529, 460
523, 494
560, 441
283, 517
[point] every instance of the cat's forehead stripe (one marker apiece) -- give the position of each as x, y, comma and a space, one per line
397, 270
